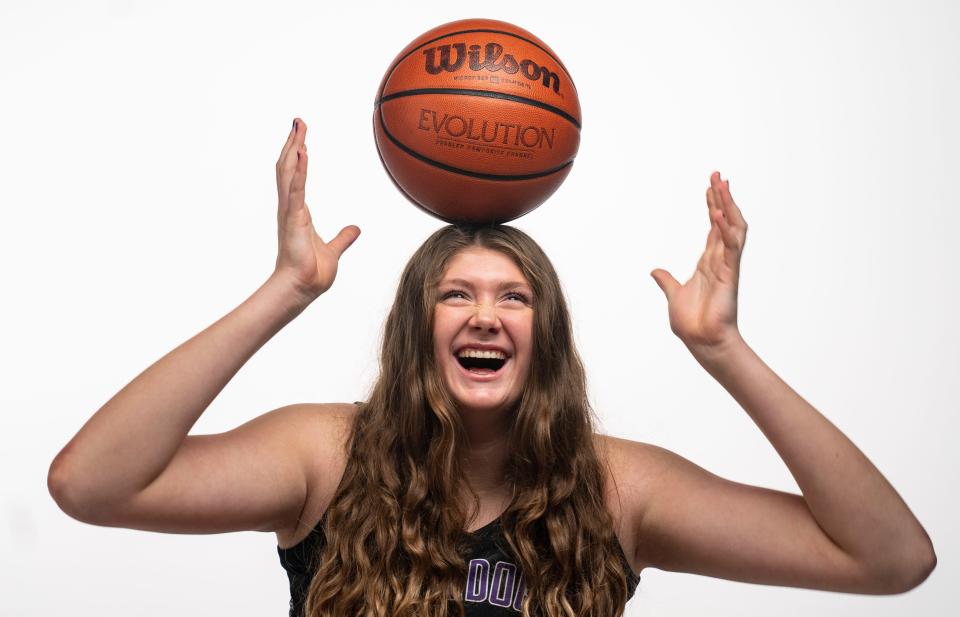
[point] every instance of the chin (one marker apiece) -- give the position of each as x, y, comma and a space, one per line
483, 403
474, 404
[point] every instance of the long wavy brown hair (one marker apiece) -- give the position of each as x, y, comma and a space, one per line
394, 530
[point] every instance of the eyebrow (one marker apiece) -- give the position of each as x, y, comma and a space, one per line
465, 283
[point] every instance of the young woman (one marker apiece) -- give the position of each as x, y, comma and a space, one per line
471, 478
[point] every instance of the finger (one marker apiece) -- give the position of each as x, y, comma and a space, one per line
287, 161
344, 239
715, 190
286, 166
713, 205
733, 232
715, 179
290, 139
728, 248
288, 156
711, 202
730, 208
715, 214
722, 198
665, 281
715, 250
729, 238
298, 183
716, 206
292, 186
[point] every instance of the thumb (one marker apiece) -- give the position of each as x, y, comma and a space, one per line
344, 239
666, 282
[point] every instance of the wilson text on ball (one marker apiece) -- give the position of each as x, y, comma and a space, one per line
491, 55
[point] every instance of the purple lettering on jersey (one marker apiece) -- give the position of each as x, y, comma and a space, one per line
501, 589
477, 581
521, 591
504, 587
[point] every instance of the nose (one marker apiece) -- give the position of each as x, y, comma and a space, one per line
485, 318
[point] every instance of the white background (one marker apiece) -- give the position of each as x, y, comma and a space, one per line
137, 145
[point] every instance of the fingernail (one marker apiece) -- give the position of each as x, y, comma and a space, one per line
294, 124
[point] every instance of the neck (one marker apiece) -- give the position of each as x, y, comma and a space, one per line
485, 459
484, 465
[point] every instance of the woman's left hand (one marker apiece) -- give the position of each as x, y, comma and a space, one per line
703, 311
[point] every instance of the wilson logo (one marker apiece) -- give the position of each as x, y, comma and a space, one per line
438, 60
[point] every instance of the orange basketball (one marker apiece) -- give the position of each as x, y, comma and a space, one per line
477, 121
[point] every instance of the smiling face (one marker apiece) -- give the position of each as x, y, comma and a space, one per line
483, 330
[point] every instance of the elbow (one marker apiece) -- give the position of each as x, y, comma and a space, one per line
910, 572
58, 487
923, 568
63, 492
56, 482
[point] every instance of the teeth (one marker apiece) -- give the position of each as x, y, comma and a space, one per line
476, 353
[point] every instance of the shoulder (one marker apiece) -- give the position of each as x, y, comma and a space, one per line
629, 469
323, 430
332, 420
642, 469
629, 464
316, 428
633, 463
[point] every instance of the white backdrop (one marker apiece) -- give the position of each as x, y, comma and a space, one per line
137, 145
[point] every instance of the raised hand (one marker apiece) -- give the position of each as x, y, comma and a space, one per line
303, 258
703, 311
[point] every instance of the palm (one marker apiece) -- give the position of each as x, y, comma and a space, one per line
703, 311
310, 260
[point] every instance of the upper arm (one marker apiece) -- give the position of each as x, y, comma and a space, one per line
254, 477
687, 519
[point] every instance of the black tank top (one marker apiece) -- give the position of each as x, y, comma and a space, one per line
495, 586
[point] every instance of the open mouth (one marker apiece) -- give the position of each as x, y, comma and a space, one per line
482, 366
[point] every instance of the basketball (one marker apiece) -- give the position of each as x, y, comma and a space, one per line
477, 121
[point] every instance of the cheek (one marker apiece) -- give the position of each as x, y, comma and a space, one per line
520, 330
520, 324
441, 319
446, 324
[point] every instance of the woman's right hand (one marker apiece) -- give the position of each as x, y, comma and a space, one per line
303, 258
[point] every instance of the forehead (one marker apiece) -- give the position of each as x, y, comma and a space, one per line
482, 265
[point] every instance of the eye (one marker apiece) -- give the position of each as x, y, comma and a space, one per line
454, 293
518, 296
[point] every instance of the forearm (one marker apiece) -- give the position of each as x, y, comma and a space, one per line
132, 438
849, 498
